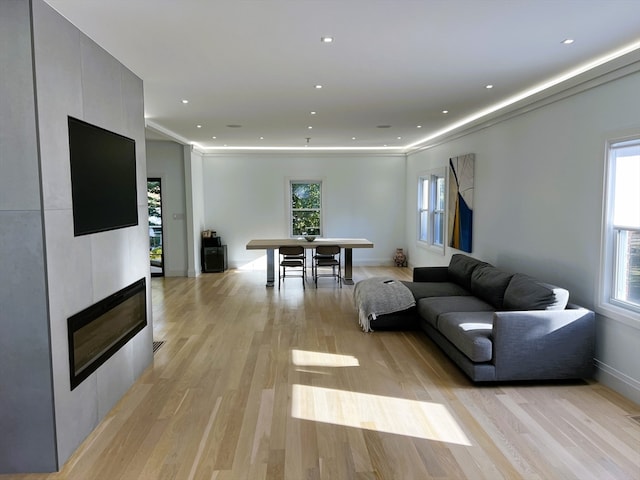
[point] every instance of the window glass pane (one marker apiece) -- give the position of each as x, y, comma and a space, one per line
424, 217
305, 195
440, 193
626, 203
627, 272
306, 222
438, 228
424, 204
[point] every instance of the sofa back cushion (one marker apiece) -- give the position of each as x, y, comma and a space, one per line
490, 284
560, 297
460, 269
527, 293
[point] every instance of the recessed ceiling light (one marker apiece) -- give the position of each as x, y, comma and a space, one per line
261, 138
445, 111
214, 137
318, 87
418, 126
198, 126
185, 101
326, 39
399, 138
489, 86
568, 41
353, 138
314, 113
309, 127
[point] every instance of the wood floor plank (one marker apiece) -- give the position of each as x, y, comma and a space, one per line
258, 383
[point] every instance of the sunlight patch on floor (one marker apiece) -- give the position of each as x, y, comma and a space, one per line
431, 421
305, 358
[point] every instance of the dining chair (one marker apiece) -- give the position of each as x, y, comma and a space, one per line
293, 263
325, 257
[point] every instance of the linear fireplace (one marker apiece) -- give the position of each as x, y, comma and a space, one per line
99, 331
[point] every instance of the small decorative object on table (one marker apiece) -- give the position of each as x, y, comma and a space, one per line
400, 258
309, 238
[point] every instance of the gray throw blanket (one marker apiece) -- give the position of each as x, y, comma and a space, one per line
379, 296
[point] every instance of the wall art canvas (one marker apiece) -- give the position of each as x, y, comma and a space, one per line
460, 202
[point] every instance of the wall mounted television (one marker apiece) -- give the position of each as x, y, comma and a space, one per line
103, 179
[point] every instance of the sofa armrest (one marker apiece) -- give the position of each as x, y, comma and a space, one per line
544, 344
430, 274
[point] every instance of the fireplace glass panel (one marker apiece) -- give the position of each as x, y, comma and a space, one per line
99, 331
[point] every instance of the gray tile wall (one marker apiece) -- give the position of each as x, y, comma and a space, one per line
26, 391
47, 274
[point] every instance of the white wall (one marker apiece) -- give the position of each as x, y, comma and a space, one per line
245, 197
195, 209
165, 160
538, 203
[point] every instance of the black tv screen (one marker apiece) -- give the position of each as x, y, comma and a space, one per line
103, 179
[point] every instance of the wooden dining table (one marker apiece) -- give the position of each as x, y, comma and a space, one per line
272, 244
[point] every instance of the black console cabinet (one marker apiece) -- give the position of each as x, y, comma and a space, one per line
214, 259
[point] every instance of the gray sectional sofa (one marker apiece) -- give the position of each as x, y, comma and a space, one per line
499, 326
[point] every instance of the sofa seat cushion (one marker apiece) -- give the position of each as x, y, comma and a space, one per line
430, 308
469, 332
435, 289
490, 283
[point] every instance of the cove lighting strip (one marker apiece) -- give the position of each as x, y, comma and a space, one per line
532, 91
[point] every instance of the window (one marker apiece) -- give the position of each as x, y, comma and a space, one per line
306, 207
431, 209
621, 252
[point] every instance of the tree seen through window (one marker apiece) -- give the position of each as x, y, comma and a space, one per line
306, 202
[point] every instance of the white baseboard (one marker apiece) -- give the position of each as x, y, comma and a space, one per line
618, 381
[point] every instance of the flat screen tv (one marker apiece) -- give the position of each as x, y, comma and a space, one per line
103, 179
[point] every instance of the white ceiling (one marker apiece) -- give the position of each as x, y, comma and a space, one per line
396, 63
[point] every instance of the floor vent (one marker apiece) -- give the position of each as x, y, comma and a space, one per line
156, 346
635, 418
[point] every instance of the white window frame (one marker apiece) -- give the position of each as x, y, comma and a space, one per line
429, 211
610, 268
289, 182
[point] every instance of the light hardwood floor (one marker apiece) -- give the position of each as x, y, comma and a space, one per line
260, 383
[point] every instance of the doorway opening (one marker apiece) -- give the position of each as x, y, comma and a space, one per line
154, 198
